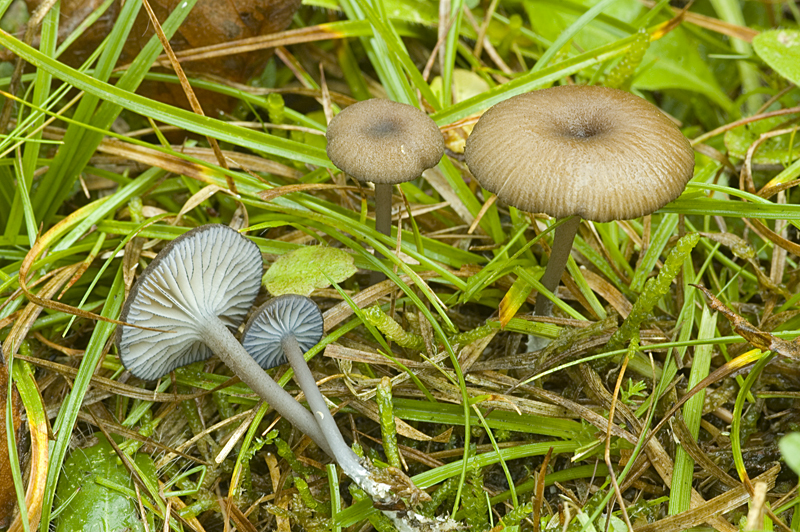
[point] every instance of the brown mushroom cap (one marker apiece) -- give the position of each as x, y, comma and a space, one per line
603, 154
384, 142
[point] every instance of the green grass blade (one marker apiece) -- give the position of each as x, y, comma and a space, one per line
57, 183
72, 404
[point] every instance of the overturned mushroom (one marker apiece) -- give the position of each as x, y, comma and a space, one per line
198, 288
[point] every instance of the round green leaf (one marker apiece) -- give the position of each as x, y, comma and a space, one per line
780, 49
93, 504
303, 270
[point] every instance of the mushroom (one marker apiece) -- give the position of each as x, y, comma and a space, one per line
198, 288
581, 152
386, 143
284, 328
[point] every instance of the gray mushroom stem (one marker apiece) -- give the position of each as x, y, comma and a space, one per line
347, 459
383, 220
562, 245
222, 342
383, 208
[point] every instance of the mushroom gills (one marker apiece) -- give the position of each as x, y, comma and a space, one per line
199, 285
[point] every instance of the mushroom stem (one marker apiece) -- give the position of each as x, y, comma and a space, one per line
383, 208
222, 343
562, 245
344, 455
383, 220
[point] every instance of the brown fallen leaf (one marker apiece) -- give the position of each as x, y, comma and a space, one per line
210, 22
269, 195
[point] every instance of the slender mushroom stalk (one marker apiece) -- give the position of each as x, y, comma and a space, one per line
345, 456
559, 255
383, 210
285, 328
231, 352
589, 152
386, 143
196, 289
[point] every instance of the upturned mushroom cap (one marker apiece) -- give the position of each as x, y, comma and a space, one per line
277, 318
209, 271
383, 141
603, 154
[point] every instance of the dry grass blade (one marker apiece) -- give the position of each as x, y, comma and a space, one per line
758, 338
539, 496
152, 157
608, 292
269, 195
755, 517
370, 409
117, 388
700, 457
32, 311
284, 38
607, 453
719, 26
768, 234
748, 120
717, 506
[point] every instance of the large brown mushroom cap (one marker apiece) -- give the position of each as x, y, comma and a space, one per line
384, 142
603, 154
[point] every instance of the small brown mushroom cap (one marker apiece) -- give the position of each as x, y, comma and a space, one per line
384, 142
603, 154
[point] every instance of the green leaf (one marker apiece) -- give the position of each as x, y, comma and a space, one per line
790, 450
98, 490
308, 268
68, 413
675, 63
780, 49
